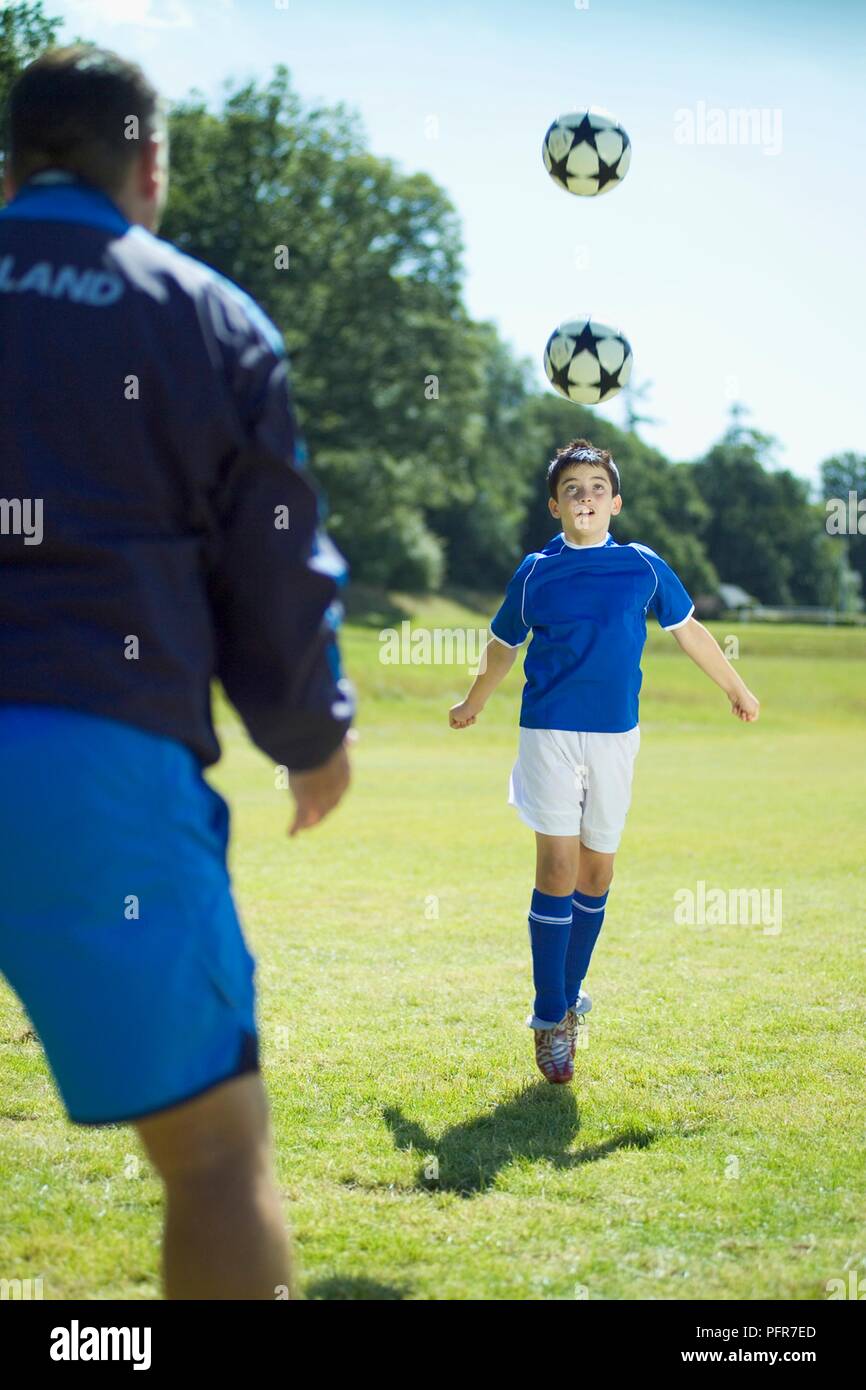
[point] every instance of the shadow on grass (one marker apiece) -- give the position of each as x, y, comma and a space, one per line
358, 1289
541, 1122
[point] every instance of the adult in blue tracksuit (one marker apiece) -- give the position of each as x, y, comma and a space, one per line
156, 531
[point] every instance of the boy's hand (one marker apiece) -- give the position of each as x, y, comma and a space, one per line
462, 715
319, 790
744, 705
495, 664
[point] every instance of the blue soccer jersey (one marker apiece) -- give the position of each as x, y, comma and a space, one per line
586, 607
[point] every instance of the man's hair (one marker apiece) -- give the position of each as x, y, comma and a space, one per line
82, 109
581, 451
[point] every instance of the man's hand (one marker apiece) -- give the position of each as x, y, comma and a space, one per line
462, 715
321, 789
744, 705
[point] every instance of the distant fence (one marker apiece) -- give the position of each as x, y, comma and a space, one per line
806, 614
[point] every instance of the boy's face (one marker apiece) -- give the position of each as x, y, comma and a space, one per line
584, 503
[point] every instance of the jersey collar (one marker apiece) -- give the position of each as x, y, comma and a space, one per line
57, 196
596, 545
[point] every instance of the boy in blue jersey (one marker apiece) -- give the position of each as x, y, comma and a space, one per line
585, 599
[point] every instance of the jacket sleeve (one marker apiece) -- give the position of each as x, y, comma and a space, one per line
274, 577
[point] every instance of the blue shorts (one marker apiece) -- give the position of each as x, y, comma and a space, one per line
117, 927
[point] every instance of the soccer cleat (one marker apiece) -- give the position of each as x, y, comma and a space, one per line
553, 1054
575, 1019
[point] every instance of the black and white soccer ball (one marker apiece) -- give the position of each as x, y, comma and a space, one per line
587, 362
586, 152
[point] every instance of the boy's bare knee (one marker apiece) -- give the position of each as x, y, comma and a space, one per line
555, 885
556, 859
555, 876
595, 883
595, 872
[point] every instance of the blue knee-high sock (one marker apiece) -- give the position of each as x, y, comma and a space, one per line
588, 917
549, 932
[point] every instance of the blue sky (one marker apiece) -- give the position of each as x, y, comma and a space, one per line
735, 269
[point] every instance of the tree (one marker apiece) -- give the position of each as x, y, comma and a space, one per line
764, 532
842, 475
633, 397
360, 265
25, 33
482, 525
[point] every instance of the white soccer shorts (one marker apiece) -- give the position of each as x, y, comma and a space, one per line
566, 783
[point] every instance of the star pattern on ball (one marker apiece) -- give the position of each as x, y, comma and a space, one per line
558, 376
558, 170
587, 340
607, 173
584, 132
609, 382
579, 337
559, 167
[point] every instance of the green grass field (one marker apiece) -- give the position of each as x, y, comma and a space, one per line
712, 1146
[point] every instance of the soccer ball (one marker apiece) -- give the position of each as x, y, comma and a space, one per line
586, 152
587, 362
